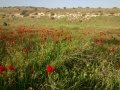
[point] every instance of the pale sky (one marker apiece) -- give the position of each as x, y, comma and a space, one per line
61, 3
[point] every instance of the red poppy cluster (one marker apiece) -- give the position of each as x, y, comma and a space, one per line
3, 69
45, 35
49, 69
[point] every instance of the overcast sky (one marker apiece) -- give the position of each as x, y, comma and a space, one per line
61, 3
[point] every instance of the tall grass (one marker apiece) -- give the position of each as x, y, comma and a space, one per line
80, 61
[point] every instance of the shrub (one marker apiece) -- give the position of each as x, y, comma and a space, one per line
25, 13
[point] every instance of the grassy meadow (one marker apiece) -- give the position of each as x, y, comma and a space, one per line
56, 54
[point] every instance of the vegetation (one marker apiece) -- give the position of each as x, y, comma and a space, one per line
45, 54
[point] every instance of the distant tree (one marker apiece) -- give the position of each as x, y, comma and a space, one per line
43, 7
87, 7
64, 7
99, 7
74, 8
115, 8
25, 13
79, 7
9, 6
58, 8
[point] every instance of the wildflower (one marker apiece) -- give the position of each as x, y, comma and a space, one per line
25, 50
10, 68
101, 41
14, 39
119, 35
119, 65
31, 35
112, 50
2, 69
50, 69
19, 36
11, 32
65, 39
32, 69
10, 40
56, 42
4, 37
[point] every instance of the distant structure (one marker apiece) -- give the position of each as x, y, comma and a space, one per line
5, 24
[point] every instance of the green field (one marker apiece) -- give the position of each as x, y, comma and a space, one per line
85, 55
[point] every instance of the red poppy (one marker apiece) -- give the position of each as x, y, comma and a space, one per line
56, 41
50, 69
32, 69
4, 37
10, 40
97, 41
119, 35
2, 69
11, 32
101, 41
19, 36
31, 35
10, 68
25, 50
119, 65
14, 39
65, 38
112, 50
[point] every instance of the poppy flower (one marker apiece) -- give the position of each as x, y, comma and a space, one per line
10, 68
19, 36
2, 69
11, 32
65, 39
25, 50
50, 69
112, 50
14, 39
119, 65
94, 36
101, 41
57, 42
10, 40
31, 35
32, 69
4, 37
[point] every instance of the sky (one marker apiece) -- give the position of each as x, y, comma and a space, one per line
62, 3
